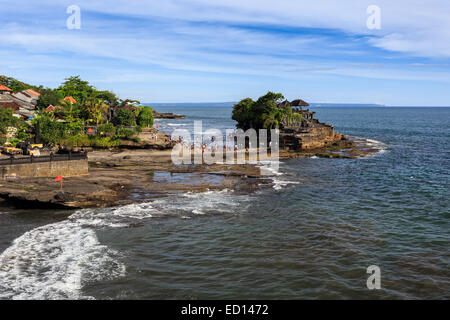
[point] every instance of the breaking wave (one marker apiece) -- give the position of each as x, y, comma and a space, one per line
371, 144
56, 261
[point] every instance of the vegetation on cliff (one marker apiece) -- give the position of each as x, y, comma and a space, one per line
7, 121
265, 113
77, 114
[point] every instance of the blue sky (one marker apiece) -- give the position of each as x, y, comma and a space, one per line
225, 50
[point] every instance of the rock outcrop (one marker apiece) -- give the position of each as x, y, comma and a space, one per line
167, 115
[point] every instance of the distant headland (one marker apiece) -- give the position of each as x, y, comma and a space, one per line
230, 104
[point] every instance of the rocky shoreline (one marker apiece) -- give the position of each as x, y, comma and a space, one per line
124, 176
167, 115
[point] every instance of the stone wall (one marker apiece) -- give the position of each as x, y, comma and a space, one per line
45, 169
318, 137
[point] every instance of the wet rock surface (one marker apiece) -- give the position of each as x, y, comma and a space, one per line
117, 178
128, 176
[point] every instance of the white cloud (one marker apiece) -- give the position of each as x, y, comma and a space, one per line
200, 36
418, 27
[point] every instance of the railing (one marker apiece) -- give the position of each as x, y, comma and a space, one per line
50, 158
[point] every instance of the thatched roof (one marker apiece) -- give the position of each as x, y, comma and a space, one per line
299, 103
283, 104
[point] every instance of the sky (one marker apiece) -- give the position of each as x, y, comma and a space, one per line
226, 50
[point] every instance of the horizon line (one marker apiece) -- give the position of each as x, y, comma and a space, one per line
312, 104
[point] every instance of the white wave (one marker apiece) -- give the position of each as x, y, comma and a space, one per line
113, 217
54, 262
223, 201
279, 184
373, 141
57, 260
177, 124
378, 145
269, 168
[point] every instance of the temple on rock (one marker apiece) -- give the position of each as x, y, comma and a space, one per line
304, 132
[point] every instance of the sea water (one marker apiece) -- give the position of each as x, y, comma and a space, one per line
312, 235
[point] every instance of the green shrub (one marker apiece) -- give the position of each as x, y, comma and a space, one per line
124, 133
14, 141
51, 132
90, 141
76, 141
106, 129
22, 133
124, 117
8, 120
103, 142
145, 117
54, 132
73, 128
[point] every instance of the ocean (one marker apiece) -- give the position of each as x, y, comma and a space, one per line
312, 236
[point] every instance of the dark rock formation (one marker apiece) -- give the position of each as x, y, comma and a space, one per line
302, 132
167, 115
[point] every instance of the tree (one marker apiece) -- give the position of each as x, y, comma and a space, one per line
243, 112
74, 87
124, 117
267, 102
14, 84
107, 96
49, 97
272, 119
260, 114
96, 109
145, 117
8, 120
51, 132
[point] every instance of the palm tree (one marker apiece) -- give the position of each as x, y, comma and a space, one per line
272, 119
96, 108
68, 108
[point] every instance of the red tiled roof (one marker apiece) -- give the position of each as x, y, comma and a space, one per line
34, 93
72, 100
10, 105
50, 108
25, 94
4, 88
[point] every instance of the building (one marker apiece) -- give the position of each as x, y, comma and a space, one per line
304, 132
32, 92
5, 90
22, 103
50, 108
14, 106
70, 99
25, 98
